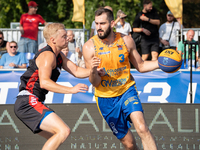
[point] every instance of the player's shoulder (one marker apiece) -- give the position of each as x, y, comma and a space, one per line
127, 38
88, 44
129, 42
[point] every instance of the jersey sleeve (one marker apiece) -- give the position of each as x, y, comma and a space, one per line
21, 19
136, 23
2, 60
41, 20
23, 59
129, 28
155, 14
161, 31
180, 46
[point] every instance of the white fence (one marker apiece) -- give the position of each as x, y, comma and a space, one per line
14, 34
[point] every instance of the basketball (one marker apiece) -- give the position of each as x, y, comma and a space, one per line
169, 61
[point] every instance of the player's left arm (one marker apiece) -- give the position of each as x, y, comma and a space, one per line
135, 58
73, 69
80, 72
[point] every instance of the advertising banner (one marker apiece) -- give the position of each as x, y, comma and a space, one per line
174, 127
153, 87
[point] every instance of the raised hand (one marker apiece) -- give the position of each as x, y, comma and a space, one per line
95, 62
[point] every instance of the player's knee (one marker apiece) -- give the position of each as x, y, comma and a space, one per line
142, 129
131, 146
64, 133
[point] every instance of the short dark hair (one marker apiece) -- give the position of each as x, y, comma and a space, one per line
108, 12
146, 1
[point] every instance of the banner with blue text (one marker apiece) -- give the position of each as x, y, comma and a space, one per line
153, 87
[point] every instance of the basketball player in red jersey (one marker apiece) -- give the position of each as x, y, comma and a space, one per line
41, 77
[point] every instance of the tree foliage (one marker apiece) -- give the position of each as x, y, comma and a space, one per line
62, 11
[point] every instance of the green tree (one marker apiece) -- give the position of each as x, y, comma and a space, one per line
10, 12
62, 11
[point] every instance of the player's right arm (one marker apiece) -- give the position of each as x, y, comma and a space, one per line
90, 61
135, 58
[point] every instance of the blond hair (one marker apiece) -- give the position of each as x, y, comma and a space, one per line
50, 30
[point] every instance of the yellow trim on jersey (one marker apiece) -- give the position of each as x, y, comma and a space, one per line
115, 61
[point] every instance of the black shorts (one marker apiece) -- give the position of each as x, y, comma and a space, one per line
30, 111
147, 46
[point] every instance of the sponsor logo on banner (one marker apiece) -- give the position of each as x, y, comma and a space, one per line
152, 87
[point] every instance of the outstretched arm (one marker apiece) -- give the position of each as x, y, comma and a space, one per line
73, 69
46, 61
135, 58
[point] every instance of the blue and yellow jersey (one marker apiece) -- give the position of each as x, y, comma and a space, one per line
115, 61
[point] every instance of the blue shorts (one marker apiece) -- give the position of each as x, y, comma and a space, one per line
116, 110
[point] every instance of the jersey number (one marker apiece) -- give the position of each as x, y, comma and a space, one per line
122, 57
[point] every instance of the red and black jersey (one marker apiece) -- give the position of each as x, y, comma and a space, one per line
30, 79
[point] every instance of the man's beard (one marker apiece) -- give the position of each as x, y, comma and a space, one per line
148, 10
170, 21
106, 33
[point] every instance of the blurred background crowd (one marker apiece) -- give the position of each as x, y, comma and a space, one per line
152, 21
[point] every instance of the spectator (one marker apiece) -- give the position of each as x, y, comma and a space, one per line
13, 59
29, 29
121, 25
180, 49
69, 55
108, 7
93, 27
147, 22
75, 47
167, 32
3, 44
93, 30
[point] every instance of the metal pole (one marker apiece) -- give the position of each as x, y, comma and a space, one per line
190, 48
186, 42
190, 54
84, 33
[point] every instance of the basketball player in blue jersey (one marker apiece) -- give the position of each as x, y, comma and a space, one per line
41, 77
115, 92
